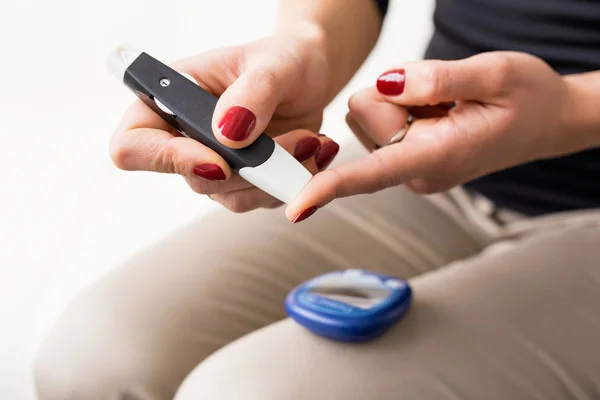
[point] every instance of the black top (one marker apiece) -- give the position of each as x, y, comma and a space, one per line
564, 33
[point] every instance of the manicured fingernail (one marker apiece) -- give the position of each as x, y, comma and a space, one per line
326, 154
237, 123
212, 172
306, 148
305, 214
391, 83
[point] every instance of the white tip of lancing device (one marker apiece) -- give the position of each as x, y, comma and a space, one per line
121, 58
282, 176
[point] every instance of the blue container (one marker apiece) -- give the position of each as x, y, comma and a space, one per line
349, 306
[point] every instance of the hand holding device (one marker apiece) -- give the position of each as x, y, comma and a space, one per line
230, 79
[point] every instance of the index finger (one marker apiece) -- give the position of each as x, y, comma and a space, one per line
418, 155
139, 115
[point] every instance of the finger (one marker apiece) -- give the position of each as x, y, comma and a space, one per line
214, 70
246, 107
300, 143
149, 149
203, 186
418, 155
377, 117
326, 154
303, 145
139, 115
431, 82
360, 134
144, 141
245, 200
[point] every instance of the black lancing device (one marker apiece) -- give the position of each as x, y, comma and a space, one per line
181, 102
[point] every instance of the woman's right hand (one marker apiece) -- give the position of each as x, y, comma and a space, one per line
277, 85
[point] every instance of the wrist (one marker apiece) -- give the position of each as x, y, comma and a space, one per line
317, 46
579, 118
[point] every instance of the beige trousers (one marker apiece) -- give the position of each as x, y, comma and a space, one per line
501, 311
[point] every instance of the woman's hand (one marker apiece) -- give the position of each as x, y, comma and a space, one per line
511, 108
276, 85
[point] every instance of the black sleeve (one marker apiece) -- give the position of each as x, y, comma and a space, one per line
383, 6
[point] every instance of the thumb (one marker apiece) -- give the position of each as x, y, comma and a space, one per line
246, 107
478, 78
418, 155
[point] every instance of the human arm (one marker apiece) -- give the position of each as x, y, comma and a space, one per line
346, 34
582, 116
511, 108
279, 84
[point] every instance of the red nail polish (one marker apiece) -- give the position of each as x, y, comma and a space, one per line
212, 172
305, 214
391, 83
237, 123
306, 148
326, 154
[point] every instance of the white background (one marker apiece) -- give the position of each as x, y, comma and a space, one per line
67, 215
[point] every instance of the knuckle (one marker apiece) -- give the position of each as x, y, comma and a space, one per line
501, 70
383, 179
353, 103
267, 79
436, 77
164, 159
356, 103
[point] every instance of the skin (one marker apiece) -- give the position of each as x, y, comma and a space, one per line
286, 80
511, 108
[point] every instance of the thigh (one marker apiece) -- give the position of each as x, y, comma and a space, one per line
141, 330
519, 321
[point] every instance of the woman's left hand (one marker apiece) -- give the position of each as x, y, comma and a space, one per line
510, 108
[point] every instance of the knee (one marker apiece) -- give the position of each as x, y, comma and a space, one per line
284, 361
73, 361
248, 368
86, 356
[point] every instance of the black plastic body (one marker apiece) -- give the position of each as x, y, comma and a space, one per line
193, 108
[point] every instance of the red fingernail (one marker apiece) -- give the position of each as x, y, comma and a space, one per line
305, 214
212, 172
237, 123
326, 154
391, 83
306, 148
